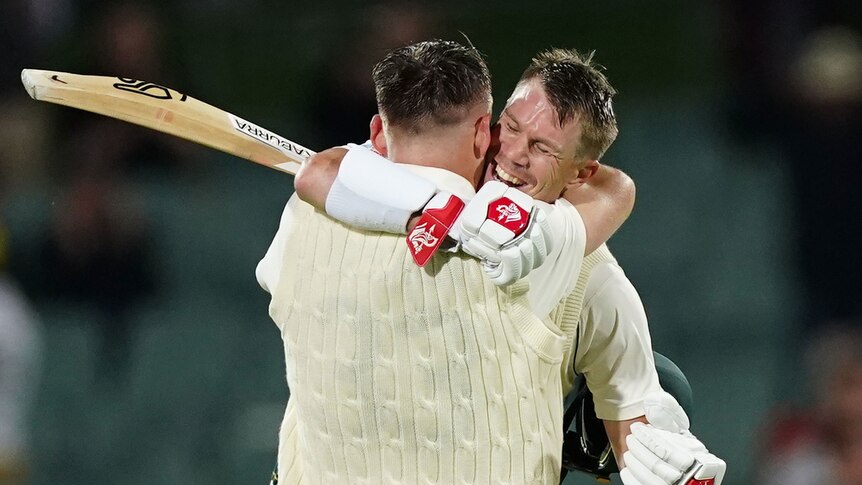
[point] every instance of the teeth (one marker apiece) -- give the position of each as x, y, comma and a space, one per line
506, 177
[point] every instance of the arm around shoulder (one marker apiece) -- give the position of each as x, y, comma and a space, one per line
363, 189
604, 202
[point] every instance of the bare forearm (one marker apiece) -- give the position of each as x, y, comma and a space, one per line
317, 175
617, 432
605, 201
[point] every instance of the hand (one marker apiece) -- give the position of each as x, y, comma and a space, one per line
504, 228
669, 456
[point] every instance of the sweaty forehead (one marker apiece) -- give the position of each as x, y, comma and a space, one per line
529, 98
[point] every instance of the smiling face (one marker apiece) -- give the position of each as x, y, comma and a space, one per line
535, 154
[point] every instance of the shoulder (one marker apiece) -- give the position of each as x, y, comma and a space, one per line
607, 283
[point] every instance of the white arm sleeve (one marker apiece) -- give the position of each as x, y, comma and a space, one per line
557, 276
373, 193
614, 350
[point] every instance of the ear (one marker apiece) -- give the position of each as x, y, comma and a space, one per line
584, 173
378, 135
482, 136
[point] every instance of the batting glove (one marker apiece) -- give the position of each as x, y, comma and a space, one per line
505, 228
438, 217
664, 452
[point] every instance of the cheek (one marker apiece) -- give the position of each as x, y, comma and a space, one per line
566, 173
542, 175
550, 174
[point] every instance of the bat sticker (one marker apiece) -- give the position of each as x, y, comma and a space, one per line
146, 88
267, 137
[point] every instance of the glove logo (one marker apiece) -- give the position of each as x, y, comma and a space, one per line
695, 481
421, 238
431, 230
508, 214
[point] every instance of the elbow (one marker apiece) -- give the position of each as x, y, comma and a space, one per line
303, 181
628, 193
620, 190
307, 179
315, 178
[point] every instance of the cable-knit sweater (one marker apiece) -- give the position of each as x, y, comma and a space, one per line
401, 374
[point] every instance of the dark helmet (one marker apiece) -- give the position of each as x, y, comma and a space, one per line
585, 444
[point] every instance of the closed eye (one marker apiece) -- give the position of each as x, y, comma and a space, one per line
509, 123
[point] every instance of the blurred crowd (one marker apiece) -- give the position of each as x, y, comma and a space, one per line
820, 442
797, 84
794, 71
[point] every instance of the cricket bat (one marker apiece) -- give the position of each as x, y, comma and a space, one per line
166, 110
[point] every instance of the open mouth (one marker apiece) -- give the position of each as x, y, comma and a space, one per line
501, 175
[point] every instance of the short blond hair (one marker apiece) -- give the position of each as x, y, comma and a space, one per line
576, 87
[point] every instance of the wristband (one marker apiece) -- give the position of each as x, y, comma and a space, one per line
373, 193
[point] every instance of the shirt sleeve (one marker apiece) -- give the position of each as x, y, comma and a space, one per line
558, 275
614, 351
267, 271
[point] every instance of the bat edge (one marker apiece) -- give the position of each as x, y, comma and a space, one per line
29, 82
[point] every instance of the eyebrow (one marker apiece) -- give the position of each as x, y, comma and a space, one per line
543, 141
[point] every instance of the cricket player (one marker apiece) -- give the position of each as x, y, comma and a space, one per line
550, 120
403, 374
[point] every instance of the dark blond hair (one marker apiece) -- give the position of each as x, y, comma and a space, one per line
576, 87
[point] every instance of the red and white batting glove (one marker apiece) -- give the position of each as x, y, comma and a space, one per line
505, 228
438, 218
665, 452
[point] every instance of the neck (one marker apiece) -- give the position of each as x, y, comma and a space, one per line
446, 152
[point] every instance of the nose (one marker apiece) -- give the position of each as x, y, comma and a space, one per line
514, 149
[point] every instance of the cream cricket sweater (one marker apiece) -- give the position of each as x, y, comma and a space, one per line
567, 315
607, 339
400, 374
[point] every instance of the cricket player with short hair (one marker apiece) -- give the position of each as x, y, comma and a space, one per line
402, 374
561, 112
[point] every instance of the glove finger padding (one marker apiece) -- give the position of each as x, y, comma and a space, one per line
506, 229
511, 268
636, 473
627, 477
680, 451
540, 233
643, 455
478, 249
495, 235
664, 444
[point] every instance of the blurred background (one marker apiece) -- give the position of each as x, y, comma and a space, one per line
135, 344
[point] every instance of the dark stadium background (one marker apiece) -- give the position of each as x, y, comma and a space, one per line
159, 363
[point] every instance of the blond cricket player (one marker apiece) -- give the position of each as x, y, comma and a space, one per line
602, 318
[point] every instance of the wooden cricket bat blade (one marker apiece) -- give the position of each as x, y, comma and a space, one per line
163, 109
